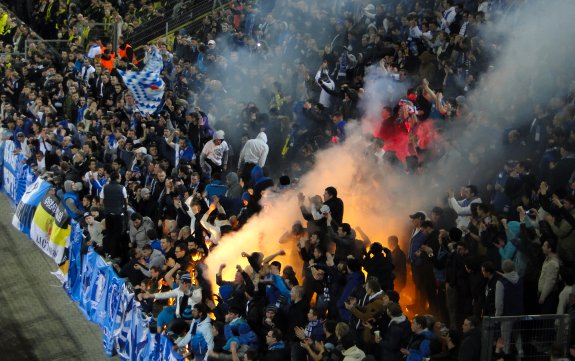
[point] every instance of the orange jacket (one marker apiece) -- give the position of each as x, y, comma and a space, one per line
123, 53
108, 63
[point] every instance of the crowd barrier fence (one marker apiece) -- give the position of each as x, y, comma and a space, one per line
529, 336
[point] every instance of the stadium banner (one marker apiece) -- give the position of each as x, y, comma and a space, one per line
90, 265
105, 299
164, 352
109, 307
134, 340
26, 208
73, 283
4, 135
14, 177
50, 228
101, 294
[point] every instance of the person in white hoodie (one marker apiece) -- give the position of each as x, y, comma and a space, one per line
254, 152
199, 336
214, 155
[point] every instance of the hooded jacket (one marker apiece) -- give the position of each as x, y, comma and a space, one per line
234, 188
202, 341
140, 235
511, 249
353, 354
255, 151
396, 337
420, 346
509, 295
72, 202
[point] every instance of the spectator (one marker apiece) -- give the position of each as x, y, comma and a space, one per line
547, 287
509, 302
350, 351
470, 346
254, 152
199, 338
214, 155
138, 230
399, 263
419, 346
396, 336
115, 203
463, 207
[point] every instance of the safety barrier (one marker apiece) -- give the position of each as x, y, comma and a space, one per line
189, 17
530, 337
104, 297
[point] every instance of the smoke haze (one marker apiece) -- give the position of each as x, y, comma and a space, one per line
532, 61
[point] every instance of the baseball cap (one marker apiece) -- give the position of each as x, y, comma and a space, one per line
219, 134
186, 278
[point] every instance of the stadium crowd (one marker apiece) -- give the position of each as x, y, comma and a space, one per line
250, 98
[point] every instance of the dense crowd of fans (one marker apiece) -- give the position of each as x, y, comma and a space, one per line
250, 98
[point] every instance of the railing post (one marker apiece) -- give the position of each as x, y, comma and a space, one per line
562, 336
167, 30
116, 36
486, 338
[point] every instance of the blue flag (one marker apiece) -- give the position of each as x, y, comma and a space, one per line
146, 86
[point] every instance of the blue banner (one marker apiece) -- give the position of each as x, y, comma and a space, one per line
106, 301
15, 173
74, 283
24, 214
101, 294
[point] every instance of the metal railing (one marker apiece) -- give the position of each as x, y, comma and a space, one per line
189, 16
54, 46
530, 337
97, 30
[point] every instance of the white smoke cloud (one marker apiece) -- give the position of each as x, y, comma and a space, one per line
532, 56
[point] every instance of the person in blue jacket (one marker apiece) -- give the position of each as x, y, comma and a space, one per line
419, 346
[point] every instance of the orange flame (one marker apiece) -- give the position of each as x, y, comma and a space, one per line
373, 200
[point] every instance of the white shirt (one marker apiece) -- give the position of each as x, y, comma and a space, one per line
448, 18
214, 152
124, 193
195, 296
86, 71
415, 32
94, 51
41, 164
324, 97
463, 212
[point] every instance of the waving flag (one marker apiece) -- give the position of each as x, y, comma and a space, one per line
146, 85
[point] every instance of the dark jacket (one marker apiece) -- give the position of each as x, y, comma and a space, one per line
396, 338
380, 266
277, 352
470, 346
297, 317
487, 301
399, 261
336, 209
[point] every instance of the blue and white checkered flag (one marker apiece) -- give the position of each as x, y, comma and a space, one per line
146, 85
